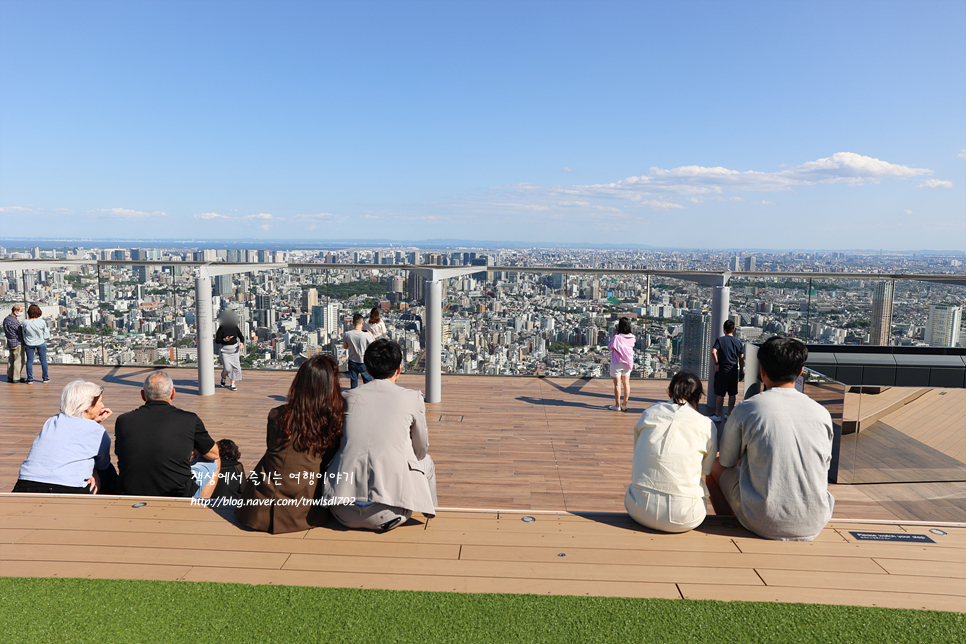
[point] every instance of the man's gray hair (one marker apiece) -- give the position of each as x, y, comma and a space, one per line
158, 386
78, 396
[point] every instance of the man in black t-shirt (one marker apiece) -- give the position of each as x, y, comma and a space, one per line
153, 443
729, 361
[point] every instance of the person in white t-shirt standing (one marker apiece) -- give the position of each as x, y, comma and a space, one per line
357, 341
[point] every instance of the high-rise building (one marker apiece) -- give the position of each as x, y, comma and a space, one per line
415, 288
326, 317
265, 317
223, 285
749, 263
734, 263
263, 301
696, 347
141, 274
106, 291
881, 329
943, 326
310, 298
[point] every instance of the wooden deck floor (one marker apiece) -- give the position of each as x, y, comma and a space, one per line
503, 447
558, 553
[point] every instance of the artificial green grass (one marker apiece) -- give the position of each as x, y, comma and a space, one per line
103, 611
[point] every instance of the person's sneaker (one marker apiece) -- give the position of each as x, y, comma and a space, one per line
29, 382
716, 419
613, 408
23, 381
46, 380
222, 382
233, 388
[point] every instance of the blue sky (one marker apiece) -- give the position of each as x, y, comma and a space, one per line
698, 124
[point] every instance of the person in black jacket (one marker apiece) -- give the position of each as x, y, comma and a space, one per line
232, 343
154, 442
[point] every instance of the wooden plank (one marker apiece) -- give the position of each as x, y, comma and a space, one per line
954, 569
873, 549
8, 535
861, 581
105, 570
439, 583
823, 596
340, 543
185, 556
676, 559
527, 570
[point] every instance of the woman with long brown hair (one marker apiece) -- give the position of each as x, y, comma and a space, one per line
375, 325
283, 491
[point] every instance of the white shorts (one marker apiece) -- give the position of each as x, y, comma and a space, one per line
618, 369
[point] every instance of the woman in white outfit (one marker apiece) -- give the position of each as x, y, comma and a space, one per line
674, 448
375, 325
232, 345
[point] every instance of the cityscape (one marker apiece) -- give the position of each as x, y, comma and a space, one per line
495, 322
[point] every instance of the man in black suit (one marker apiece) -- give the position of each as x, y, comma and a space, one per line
154, 443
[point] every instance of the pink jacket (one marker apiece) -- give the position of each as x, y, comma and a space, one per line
622, 348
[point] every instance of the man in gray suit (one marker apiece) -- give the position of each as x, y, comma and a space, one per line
382, 473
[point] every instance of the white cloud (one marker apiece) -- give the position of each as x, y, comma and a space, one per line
125, 213
321, 216
211, 215
662, 188
261, 215
660, 205
15, 209
962, 154
910, 212
935, 183
265, 226
566, 170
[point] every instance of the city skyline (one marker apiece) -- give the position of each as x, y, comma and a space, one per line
698, 125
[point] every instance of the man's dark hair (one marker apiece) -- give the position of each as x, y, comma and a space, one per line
782, 359
382, 358
729, 327
356, 319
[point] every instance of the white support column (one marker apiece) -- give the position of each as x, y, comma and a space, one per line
433, 290
206, 333
720, 309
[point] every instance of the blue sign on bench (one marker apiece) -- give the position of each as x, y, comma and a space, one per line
890, 536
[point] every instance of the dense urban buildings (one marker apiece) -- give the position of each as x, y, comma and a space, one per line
496, 322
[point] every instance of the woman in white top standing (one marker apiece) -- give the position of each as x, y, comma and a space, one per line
375, 325
674, 448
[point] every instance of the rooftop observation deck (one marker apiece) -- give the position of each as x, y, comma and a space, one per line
504, 448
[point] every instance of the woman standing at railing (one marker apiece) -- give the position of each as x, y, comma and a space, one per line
35, 336
375, 325
621, 363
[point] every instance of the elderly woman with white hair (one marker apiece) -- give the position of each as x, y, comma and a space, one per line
71, 448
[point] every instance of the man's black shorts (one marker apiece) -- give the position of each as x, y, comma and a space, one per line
726, 382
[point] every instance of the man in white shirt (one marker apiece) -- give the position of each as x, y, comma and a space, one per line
357, 341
